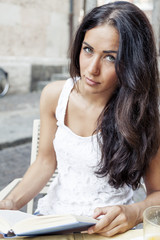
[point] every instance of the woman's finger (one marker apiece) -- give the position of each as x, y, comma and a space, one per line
113, 231
118, 222
106, 220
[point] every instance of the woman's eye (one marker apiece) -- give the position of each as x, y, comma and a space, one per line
110, 58
88, 50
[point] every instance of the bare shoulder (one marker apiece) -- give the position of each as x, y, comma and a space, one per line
53, 89
50, 94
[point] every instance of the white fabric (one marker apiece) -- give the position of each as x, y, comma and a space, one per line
77, 189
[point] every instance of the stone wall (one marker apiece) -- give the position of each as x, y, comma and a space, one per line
32, 32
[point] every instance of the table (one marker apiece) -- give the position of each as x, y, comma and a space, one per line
129, 235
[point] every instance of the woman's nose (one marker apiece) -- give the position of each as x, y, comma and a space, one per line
94, 66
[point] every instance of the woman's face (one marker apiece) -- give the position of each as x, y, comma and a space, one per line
97, 59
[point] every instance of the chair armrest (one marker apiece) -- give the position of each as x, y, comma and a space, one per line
5, 192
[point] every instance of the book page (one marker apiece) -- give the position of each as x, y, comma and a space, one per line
26, 224
13, 216
49, 221
43, 222
4, 226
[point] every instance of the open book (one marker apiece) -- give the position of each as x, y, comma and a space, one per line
17, 223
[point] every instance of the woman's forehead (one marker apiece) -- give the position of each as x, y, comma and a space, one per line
103, 37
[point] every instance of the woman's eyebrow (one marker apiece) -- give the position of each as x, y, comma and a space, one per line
87, 44
109, 51
105, 51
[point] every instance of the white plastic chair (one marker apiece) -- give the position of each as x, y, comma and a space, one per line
34, 153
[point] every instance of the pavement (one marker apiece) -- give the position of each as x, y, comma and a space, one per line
17, 113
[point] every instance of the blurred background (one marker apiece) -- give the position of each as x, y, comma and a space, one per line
35, 36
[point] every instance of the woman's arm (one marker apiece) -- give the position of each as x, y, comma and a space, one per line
42, 169
118, 219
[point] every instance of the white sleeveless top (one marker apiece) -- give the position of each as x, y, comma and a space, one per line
77, 189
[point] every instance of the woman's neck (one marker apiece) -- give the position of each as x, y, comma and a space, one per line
95, 100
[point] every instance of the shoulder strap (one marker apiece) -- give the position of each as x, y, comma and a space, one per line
63, 101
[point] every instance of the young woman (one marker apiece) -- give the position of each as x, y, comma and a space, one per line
100, 127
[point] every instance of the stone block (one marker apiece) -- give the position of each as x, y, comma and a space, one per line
42, 74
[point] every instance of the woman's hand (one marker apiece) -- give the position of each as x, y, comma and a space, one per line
116, 219
7, 204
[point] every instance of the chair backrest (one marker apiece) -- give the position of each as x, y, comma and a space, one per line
35, 140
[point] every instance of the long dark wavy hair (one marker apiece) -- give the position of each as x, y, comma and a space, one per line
129, 123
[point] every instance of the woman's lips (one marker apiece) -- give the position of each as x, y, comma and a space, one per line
91, 82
